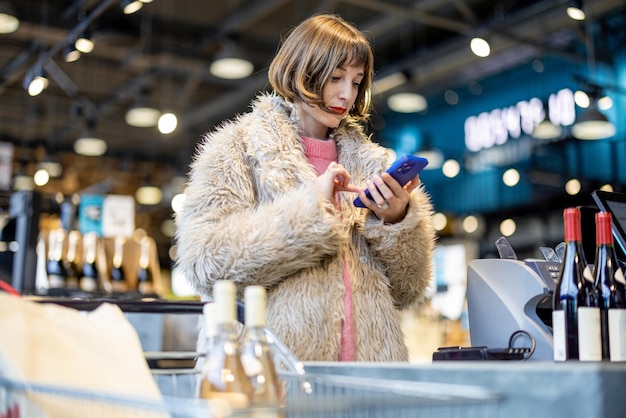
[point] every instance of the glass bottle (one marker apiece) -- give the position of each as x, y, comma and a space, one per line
89, 280
145, 284
118, 277
54, 266
256, 354
610, 285
575, 315
223, 376
71, 266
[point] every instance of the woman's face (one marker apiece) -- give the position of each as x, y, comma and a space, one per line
339, 94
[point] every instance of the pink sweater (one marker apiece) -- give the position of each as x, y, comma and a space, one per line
320, 153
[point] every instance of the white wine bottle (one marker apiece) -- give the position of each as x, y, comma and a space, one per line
223, 375
256, 354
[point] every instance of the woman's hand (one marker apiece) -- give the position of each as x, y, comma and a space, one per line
389, 200
335, 179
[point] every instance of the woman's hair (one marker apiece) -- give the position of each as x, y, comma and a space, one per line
310, 54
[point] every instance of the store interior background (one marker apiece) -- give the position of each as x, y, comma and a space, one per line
161, 56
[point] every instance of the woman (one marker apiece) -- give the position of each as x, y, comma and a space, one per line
269, 202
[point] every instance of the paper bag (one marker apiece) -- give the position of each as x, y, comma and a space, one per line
98, 352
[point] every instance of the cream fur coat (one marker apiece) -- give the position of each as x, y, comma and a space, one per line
252, 215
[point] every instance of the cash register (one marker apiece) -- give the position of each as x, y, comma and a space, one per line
507, 297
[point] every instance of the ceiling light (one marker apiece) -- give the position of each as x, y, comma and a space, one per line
593, 124
85, 43
131, 6
575, 10
90, 146
547, 130
38, 84
434, 157
451, 168
582, 99
142, 116
8, 18
389, 82
54, 168
407, 103
23, 182
605, 103
480, 47
167, 123
41, 177
149, 195
230, 62
71, 54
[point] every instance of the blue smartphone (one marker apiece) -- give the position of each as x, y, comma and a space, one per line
402, 170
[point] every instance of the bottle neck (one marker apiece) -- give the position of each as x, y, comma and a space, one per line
604, 235
573, 229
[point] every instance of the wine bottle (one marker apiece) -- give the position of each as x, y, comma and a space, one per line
576, 314
223, 375
54, 266
610, 285
118, 277
145, 284
256, 354
71, 260
89, 280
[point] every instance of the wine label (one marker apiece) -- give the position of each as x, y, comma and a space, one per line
617, 334
559, 335
589, 334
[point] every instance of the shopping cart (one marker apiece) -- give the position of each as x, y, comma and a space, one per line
307, 394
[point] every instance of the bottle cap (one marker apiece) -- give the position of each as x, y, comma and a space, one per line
224, 295
255, 299
603, 228
573, 230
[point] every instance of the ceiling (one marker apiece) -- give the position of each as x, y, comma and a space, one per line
164, 52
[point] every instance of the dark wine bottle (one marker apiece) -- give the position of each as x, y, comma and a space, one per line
118, 277
89, 280
145, 284
576, 314
71, 260
610, 285
54, 265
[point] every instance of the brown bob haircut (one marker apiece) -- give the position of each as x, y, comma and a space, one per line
312, 51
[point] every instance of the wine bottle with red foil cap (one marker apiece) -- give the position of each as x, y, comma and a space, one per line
610, 285
576, 314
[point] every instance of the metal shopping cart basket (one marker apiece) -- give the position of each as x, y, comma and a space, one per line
307, 396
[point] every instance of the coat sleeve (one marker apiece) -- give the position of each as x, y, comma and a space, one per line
226, 232
406, 249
